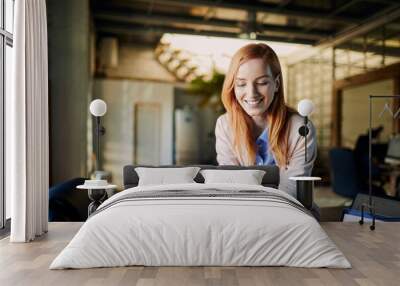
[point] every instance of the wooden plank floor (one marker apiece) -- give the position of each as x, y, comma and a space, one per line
375, 257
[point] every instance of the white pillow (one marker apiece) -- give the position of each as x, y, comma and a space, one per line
162, 176
248, 177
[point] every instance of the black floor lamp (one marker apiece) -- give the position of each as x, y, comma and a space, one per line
98, 108
305, 184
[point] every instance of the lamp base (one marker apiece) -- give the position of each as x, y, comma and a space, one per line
97, 196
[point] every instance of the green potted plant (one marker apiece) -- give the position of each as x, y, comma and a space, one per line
210, 88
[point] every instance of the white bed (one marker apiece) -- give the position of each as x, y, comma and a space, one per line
224, 225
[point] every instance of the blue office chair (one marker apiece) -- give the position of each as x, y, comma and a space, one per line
345, 176
343, 172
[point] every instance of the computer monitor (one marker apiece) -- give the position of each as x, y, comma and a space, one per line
393, 153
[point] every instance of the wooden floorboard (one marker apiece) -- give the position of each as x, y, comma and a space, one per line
375, 257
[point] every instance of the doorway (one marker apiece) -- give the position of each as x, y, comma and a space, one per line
147, 133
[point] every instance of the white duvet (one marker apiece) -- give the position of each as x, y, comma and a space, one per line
183, 231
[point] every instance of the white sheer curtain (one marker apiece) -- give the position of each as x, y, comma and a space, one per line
27, 143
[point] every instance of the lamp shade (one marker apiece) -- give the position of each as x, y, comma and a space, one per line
98, 107
305, 107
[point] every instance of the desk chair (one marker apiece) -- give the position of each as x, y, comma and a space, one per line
345, 176
343, 172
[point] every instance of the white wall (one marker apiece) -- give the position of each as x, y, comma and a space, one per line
139, 62
118, 142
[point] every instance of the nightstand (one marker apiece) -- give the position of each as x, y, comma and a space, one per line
97, 194
304, 189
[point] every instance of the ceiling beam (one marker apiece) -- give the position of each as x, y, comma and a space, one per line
167, 19
376, 49
123, 29
386, 16
261, 7
337, 10
376, 21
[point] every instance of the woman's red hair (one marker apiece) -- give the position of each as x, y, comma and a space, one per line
278, 113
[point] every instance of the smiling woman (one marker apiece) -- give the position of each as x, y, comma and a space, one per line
258, 127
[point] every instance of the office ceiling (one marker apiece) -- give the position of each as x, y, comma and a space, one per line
297, 21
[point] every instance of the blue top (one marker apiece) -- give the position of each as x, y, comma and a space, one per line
263, 155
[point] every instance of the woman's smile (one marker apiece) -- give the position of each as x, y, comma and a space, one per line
254, 102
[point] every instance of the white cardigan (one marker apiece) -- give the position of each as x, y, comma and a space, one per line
296, 165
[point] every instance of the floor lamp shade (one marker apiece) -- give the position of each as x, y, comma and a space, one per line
305, 107
98, 107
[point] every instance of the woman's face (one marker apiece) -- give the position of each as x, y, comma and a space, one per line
255, 87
